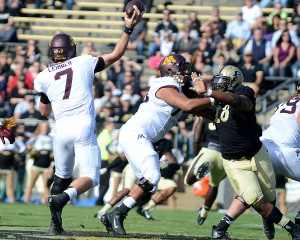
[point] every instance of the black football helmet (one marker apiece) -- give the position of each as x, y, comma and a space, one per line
175, 64
62, 47
298, 87
227, 79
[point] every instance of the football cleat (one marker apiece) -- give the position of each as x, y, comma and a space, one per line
269, 229
201, 220
56, 204
295, 232
297, 219
144, 213
218, 234
113, 222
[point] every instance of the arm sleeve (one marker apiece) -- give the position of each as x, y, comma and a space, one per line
114, 163
100, 65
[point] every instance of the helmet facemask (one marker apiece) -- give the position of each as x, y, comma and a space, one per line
222, 83
183, 70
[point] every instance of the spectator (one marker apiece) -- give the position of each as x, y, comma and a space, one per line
13, 80
4, 62
135, 98
207, 74
3, 83
34, 70
23, 105
203, 45
116, 100
106, 96
4, 108
296, 19
296, 66
104, 140
215, 17
137, 38
18, 93
136, 70
225, 48
33, 52
283, 26
33, 115
166, 45
252, 72
185, 43
238, 32
283, 55
106, 115
261, 50
41, 150
251, 12
198, 61
115, 74
277, 10
213, 39
267, 3
97, 100
193, 33
155, 60
126, 111
219, 63
89, 49
69, 3
7, 29
195, 23
267, 30
164, 25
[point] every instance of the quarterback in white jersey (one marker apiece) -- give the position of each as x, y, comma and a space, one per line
66, 89
160, 112
282, 138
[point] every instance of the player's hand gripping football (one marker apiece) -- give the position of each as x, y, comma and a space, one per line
198, 83
7, 133
134, 20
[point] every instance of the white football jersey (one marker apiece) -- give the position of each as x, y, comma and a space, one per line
284, 128
155, 117
69, 86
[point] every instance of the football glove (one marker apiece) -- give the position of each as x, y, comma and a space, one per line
7, 133
9, 123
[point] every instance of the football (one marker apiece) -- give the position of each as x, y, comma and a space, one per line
134, 5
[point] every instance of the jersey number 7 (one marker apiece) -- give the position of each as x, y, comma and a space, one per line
69, 73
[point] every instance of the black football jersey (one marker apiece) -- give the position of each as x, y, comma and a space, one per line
238, 130
210, 131
162, 146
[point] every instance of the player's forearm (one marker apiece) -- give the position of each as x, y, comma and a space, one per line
121, 46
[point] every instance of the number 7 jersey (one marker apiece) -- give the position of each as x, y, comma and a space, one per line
68, 86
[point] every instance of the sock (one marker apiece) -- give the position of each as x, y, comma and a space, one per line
225, 223
123, 208
64, 197
204, 211
105, 208
277, 217
148, 206
129, 202
72, 192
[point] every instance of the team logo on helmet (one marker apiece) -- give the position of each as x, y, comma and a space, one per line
169, 59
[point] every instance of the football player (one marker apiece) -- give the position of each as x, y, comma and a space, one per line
245, 159
66, 89
208, 160
282, 141
162, 107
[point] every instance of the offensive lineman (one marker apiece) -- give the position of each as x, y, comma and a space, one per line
66, 88
162, 107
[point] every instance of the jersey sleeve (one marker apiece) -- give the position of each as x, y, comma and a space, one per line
246, 91
39, 84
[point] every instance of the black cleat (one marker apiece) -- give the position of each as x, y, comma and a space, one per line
201, 220
54, 230
295, 232
269, 229
113, 221
144, 213
217, 234
297, 219
56, 204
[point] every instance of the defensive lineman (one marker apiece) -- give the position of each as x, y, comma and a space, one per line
66, 88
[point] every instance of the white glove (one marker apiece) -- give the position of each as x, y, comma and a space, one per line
103, 171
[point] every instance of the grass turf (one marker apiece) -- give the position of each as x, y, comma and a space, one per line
181, 222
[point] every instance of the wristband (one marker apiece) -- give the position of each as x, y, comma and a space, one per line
208, 92
128, 30
212, 101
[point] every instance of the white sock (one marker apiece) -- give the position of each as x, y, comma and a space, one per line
105, 208
148, 206
129, 202
72, 192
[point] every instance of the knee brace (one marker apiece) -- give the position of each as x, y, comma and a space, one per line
202, 170
146, 186
60, 185
242, 201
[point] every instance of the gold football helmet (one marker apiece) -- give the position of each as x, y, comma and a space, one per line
227, 79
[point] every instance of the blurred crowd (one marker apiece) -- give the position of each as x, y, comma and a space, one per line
260, 45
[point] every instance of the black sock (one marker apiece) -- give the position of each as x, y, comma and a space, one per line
64, 197
123, 209
225, 223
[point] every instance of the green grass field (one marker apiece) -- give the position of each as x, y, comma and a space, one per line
248, 226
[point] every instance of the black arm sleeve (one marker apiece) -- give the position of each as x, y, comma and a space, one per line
44, 98
114, 163
100, 65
